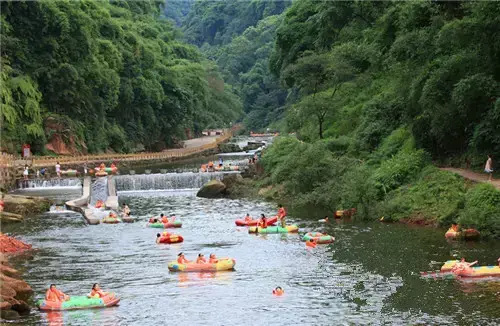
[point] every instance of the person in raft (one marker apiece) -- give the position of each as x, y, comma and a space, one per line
455, 227
278, 291
181, 259
102, 167
201, 259
213, 259
96, 292
282, 215
163, 218
112, 166
204, 168
248, 218
488, 168
54, 294
125, 209
112, 215
262, 222
325, 220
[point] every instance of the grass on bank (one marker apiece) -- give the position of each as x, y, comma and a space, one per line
397, 181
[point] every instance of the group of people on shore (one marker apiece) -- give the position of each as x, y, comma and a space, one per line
43, 172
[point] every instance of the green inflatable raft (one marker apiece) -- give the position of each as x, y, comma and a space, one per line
79, 302
274, 229
160, 225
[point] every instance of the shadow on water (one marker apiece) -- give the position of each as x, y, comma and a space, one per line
370, 275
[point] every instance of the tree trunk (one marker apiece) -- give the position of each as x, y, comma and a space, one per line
320, 121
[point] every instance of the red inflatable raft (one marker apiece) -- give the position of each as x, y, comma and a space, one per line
171, 238
270, 221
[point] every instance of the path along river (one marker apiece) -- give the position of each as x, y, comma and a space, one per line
369, 276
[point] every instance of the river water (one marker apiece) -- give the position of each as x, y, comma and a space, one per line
369, 276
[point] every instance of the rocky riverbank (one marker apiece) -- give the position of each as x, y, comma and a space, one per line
16, 207
14, 292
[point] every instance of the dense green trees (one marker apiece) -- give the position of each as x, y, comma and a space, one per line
239, 36
421, 64
384, 87
113, 70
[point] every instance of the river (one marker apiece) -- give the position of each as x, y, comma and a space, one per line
369, 276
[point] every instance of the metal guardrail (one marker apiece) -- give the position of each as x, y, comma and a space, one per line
10, 160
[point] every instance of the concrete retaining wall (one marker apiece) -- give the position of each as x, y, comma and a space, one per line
80, 204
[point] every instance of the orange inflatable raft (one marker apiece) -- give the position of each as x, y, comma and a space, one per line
242, 222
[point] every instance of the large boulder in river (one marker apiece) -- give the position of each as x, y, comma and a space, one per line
212, 189
24, 205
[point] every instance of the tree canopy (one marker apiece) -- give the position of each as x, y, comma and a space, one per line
112, 73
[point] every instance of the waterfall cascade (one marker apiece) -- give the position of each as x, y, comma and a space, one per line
167, 181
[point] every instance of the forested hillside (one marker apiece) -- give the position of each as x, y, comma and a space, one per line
376, 92
100, 75
239, 36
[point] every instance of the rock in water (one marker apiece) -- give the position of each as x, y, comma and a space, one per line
212, 189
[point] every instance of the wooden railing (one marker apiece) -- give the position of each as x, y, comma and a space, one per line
45, 161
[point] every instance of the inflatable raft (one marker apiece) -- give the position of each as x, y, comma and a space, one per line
467, 234
101, 174
79, 302
160, 225
274, 229
224, 264
69, 172
318, 237
171, 238
448, 265
111, 220
242, 222
476, 272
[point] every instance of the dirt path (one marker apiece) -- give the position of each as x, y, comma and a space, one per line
474, 176
195, 142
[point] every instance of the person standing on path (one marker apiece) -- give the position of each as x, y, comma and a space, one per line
58, 169
488, 168
25, 172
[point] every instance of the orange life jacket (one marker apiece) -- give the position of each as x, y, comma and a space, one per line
181, 260
263, 224
213, 260
311, 244
201, 260
164, 219
281, 212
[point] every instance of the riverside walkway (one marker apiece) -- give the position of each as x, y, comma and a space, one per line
474, 176
192, 146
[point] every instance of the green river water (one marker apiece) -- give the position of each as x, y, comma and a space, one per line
369, 276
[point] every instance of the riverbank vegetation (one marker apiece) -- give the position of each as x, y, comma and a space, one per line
377, 92
91, 76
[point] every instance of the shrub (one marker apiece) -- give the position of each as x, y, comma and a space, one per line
482, 209
398, 170
437, 195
